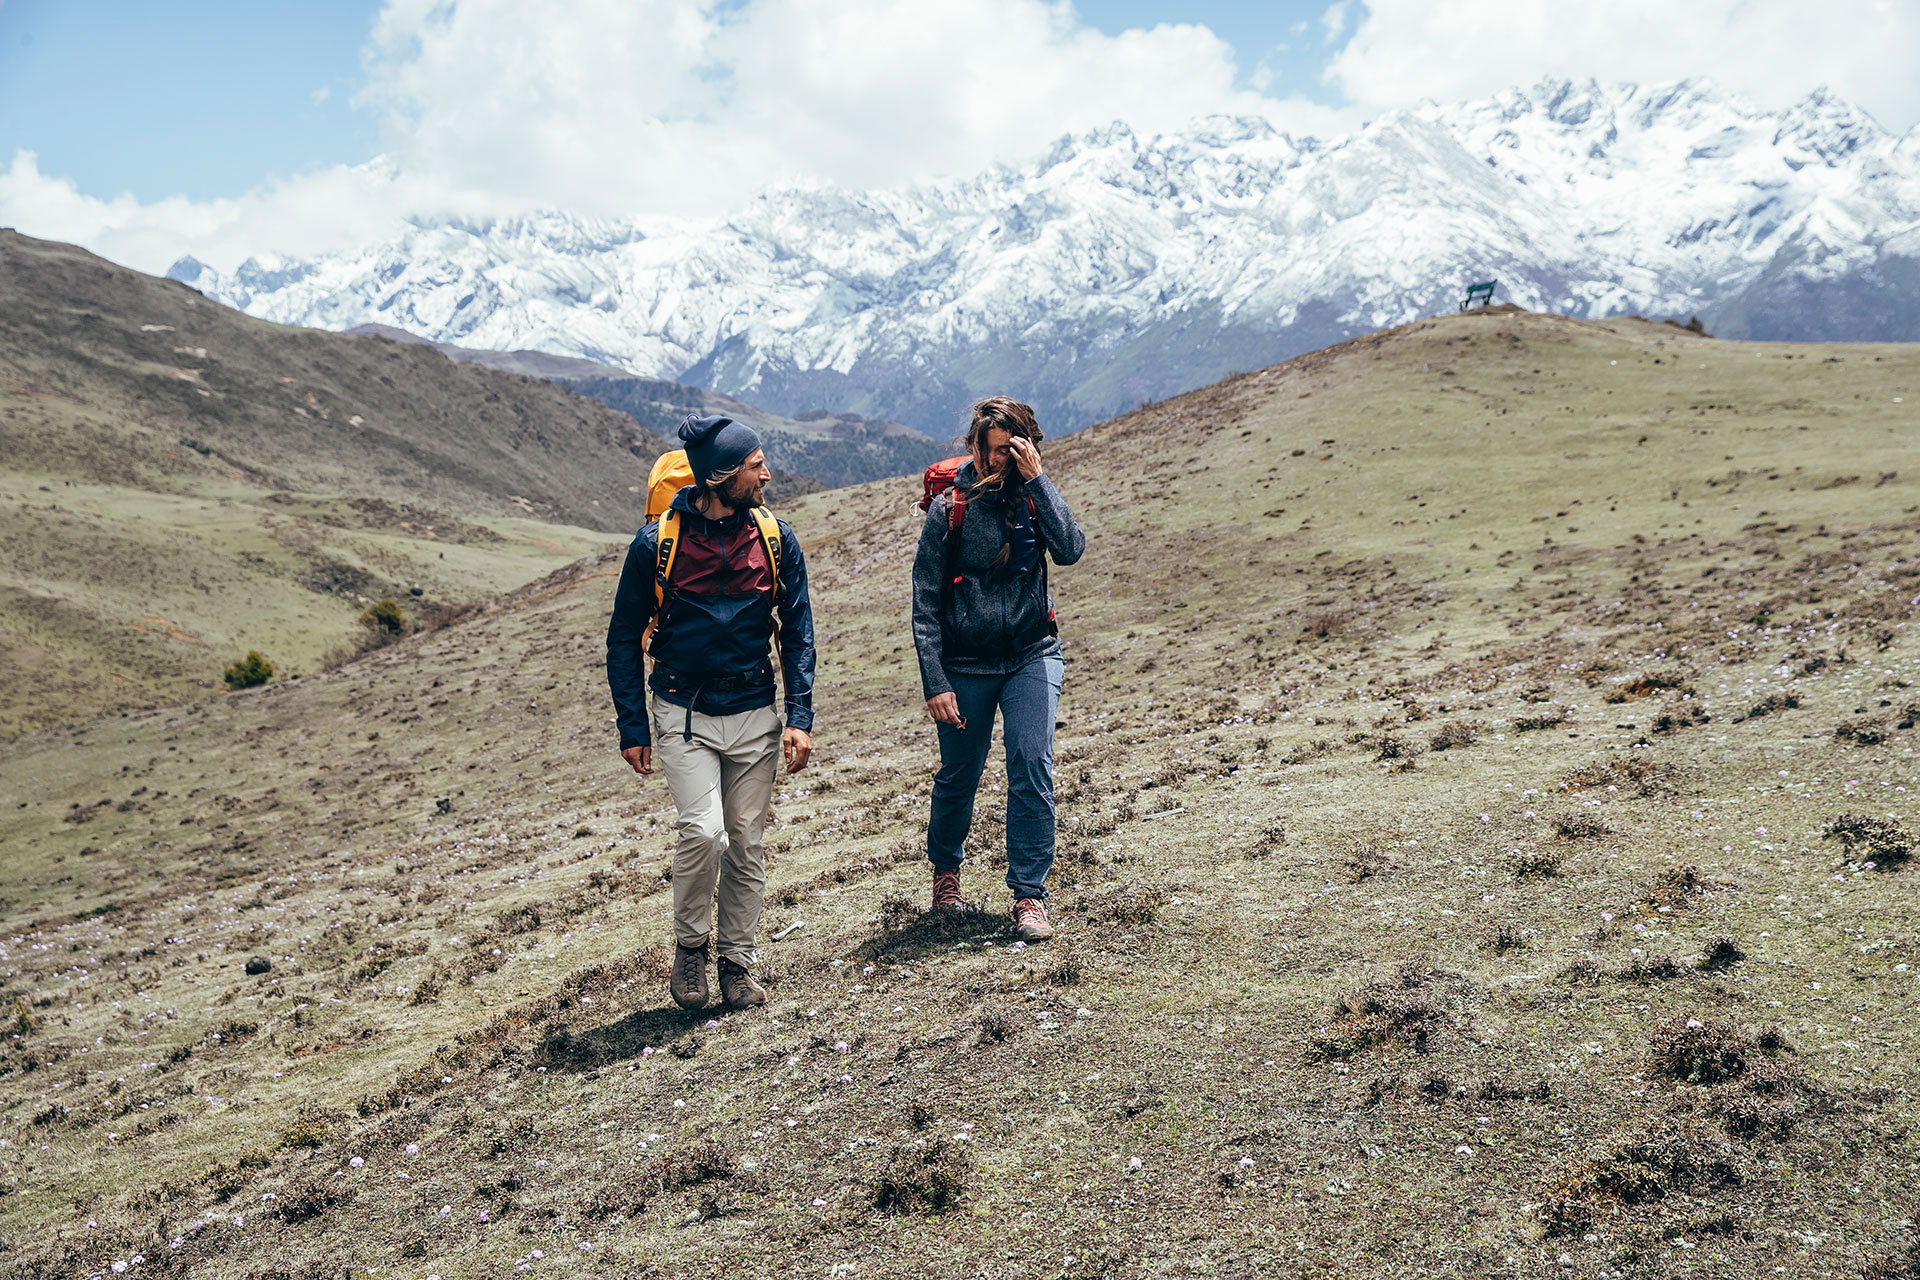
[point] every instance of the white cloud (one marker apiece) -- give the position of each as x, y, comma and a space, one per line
655, 108
334, 208
650, 105
1774, 51
669, 107
1333, 23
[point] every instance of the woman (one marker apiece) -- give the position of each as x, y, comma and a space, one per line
983, 628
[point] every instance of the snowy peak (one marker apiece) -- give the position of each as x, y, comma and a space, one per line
1116, 267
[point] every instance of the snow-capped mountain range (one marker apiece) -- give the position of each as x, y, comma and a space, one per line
1116, 269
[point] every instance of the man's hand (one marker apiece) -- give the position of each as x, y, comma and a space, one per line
1026, 457
641, 758
796, 745
945, 707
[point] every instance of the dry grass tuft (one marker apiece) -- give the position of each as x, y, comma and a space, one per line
1364, 863
996, 1023
1637, 1169
1769, 705
1460, 733
1649, 969
1864, 732
1534, 864
1322, 625
1645, 686
1140, 907
1551, 718
1710, 1050
1579, 826
925, 1175
1882, 843
1398, 1009
1722, 953
1636, 771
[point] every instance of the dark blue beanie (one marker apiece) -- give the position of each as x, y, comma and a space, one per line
716, 445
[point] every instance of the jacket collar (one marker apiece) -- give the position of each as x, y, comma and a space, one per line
683, 503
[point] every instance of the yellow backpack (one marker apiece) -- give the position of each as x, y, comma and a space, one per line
670, 474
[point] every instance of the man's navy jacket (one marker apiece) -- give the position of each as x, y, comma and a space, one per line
719, 616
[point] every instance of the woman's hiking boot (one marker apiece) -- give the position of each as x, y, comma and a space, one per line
946, 891
688, 981
737, 987
1030, 921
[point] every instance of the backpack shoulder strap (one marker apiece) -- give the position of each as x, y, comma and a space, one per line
663, 558
770, 535
956, 515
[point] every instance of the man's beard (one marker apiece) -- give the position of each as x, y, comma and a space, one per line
740, 494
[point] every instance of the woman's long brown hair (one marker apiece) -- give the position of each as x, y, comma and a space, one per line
1017, 420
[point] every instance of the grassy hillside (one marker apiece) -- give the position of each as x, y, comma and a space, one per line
180, 483
1454, 719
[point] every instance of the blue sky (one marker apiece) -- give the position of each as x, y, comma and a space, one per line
209, 98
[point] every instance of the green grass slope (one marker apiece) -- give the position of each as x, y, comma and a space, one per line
180, 483
1454, 719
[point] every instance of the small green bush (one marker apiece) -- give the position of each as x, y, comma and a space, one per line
249, 671
384, 615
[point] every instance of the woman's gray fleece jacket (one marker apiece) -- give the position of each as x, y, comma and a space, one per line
988, 623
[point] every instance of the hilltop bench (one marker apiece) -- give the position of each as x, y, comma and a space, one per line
1482, 291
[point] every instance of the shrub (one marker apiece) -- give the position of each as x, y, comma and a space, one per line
1644, 775
1880, 842
1649, 969
1645, 686
1722, 953
310, 1201
1634, 1170
249, 671
1578, 826
1069, 968
1391, 746
1709, 1051
1769, 705
1684, 718
1461, 733
1142, 907
1862, 733
1322, 625
1551, 718
1396, 1009
304, 1135
1535, 863
997, 1024
384, 615
926, 1175
1364, 863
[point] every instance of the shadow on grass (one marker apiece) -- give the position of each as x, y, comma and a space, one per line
666, 1030
904, 931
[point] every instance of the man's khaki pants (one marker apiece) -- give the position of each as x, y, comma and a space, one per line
722, 785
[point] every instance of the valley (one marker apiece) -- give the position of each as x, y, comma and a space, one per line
1486, 775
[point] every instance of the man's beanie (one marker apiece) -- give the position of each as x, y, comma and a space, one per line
716, 445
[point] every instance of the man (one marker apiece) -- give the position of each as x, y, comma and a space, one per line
714, 733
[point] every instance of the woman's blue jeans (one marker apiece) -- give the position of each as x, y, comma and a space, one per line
1027, 700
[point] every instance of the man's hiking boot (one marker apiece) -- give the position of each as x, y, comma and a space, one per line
1030, 921
946, 891
737, 987
689, 980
